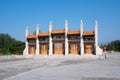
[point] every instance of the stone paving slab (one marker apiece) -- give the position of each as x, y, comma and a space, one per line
62, 68
98, 78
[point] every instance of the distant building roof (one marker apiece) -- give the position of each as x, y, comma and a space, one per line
89, 33
43, 34
31, 36
57, 31
73, 32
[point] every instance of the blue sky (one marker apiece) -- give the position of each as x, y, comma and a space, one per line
15, 15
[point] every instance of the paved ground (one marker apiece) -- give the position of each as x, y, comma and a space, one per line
60, 68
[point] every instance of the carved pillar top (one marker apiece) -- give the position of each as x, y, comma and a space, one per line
50, 26
37, 29
96, 24
66, 25
81, 27
27, 31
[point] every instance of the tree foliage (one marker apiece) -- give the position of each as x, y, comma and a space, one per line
114, 46
9, 45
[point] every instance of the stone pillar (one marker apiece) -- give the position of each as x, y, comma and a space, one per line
96, 34
98, 50
37, 40
50, 40
26, 52
81, 38
66, 38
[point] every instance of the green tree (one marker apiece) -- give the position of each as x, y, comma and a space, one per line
114, 46
10, 45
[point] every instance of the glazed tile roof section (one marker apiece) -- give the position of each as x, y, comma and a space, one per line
43, 34
89, 33
73, 32
58, 31
31, 36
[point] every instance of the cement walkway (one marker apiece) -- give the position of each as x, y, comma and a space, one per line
62, 68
